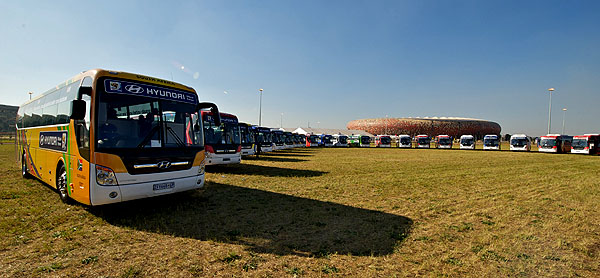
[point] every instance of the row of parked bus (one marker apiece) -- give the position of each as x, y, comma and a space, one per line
551, 143
242, 139
104, 137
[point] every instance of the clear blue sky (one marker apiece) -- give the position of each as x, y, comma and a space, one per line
326, 62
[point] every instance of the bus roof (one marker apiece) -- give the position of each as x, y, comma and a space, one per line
467, 136
222, 114
551, 136
97, 73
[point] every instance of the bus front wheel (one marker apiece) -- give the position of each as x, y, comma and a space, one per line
61, 184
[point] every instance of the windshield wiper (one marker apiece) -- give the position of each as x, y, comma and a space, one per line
148, 137
177, 139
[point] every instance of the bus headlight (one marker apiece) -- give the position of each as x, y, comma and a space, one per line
105, 176
202, 167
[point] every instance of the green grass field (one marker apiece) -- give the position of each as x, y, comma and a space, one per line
323, 212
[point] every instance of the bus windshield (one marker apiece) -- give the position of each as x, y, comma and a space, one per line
314, 138
365, 140
385, 140
579, 144
490, 142
548, 143
343, 140
287, 139
246, 135
277, 137
423, 141
130, 121
444, 141
264, 137
228, 133
466, 141
519, 142
405, 141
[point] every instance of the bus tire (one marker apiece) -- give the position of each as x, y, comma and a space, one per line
61, 184
24, 171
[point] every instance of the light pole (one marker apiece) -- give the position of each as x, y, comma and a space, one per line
260, 107
386, 124
30, 93
564, 116
550, 110
281, 122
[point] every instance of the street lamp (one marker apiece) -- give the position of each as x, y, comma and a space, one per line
260, 107
564, 116
30, 93
550, 110
281, 123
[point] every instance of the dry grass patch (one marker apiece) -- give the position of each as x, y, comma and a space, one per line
323, 212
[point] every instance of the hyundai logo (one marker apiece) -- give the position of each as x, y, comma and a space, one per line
164, 165
134, 89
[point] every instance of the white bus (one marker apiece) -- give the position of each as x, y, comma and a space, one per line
585, 144
467, 142
520, 142
340, 140
404, 141
491, 142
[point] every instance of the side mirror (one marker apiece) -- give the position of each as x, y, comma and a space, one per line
213, 109
84, 91
77, 109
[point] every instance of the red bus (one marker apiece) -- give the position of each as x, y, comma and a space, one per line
555, 143
585, 144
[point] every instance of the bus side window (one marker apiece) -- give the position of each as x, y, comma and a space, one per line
82, 127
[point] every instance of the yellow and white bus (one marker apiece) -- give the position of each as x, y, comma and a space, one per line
104, 137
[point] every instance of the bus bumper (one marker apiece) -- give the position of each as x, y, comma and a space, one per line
249, 151
219, 159
102, 195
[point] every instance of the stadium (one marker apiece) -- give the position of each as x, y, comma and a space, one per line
433, 126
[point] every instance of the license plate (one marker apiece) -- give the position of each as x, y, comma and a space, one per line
226, 159
163, 186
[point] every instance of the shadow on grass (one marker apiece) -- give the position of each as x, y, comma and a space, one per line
279, 153
271, 158
294, 151
260, 170
263, 221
